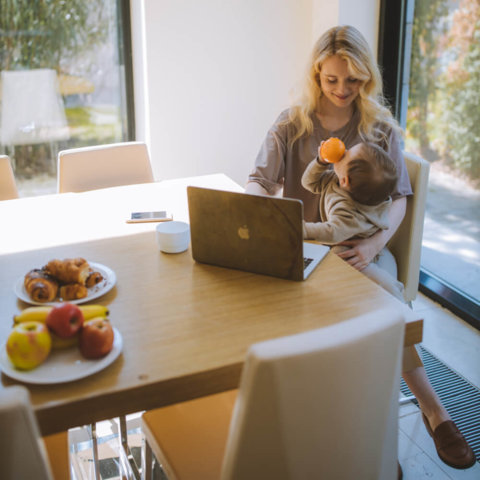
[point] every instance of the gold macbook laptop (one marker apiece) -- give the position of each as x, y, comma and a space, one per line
258, 234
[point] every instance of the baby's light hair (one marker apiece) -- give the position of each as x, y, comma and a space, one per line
373, 176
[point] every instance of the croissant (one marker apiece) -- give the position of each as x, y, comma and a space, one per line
70, 270
40, 286
93, 278
73, 291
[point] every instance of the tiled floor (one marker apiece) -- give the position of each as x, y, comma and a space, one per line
457, 344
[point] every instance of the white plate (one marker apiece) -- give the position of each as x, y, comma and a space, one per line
62, 365
108, 282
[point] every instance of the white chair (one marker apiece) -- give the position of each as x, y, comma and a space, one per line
8, 187
23, 453
90, 168
406, 244
32, 109
317, 405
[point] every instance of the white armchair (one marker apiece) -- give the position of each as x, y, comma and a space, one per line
406, 244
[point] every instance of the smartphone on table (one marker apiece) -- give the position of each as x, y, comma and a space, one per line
142, 217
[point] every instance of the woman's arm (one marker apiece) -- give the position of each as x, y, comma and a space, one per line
255, 188
363, 251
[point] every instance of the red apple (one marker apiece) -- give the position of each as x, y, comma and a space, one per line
96, 338
28, 345
65, 320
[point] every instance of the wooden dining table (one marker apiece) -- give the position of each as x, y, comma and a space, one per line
186, 326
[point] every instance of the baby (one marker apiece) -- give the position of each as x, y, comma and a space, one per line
354, 194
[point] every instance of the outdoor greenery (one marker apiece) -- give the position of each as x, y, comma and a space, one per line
443, 112
47, 33
64, 35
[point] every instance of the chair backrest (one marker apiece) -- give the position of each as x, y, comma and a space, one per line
22, 452
90, 168
406, 244
8, 187
322, 404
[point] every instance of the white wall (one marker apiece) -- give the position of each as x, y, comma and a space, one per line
363, 14
218, 72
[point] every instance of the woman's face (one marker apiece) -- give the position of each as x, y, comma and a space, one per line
339, 86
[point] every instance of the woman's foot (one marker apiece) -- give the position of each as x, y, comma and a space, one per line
452, 448
436, 417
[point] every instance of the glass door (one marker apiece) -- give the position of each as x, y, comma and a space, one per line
434, 85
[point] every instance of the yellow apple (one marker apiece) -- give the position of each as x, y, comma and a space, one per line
29, 345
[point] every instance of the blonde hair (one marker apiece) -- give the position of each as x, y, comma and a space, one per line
349, 44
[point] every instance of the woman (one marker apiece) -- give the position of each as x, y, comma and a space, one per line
342, 97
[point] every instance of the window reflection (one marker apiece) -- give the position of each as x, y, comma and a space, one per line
63, 83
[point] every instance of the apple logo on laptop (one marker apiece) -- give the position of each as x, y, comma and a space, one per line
243, 233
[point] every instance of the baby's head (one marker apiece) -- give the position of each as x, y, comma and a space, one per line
367, 172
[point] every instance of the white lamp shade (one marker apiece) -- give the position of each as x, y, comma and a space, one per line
32, 108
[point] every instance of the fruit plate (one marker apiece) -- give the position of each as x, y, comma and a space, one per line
62, 365
108, 282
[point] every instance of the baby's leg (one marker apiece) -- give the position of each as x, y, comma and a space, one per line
383, 271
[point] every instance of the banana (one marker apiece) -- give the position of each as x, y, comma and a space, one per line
40, 313
63, 343
33, 314
92, 311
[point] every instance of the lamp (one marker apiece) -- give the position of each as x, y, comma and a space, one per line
32, 108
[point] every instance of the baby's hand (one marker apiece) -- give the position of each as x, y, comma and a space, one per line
320, 150
321, 160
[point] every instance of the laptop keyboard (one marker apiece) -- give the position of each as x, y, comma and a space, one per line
307, 262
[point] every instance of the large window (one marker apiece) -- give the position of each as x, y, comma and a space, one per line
432, 77
64, 82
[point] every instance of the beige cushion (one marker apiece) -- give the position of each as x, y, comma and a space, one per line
189, 438
58, 455
8, 188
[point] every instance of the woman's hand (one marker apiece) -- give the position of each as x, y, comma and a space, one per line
360, 253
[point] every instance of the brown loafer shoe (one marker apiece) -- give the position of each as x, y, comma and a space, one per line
452, 448
400, 472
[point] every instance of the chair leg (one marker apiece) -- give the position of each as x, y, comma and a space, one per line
125, 448
96, 463
405, 400
147, 461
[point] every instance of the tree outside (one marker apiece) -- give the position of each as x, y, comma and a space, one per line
78, 39
443, 122
443, 126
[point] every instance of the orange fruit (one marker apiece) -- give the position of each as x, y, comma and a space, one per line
332, 150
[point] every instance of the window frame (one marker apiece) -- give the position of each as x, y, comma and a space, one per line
126, 61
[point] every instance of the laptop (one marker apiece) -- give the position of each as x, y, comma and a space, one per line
254, 233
